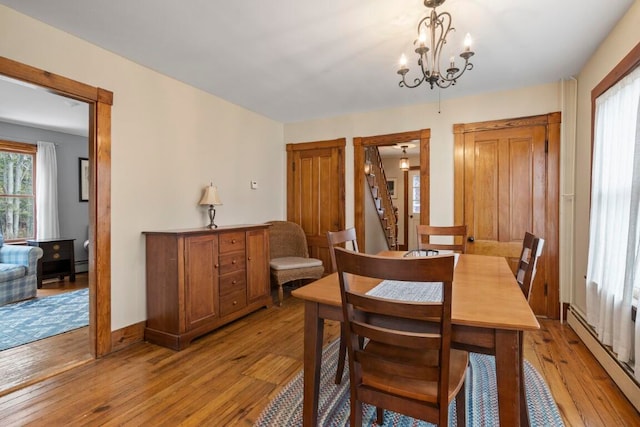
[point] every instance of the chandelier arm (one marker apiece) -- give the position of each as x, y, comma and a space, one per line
423, 59
417, 82
453, 77
438, 43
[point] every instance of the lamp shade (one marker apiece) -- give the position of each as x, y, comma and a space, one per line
210, 196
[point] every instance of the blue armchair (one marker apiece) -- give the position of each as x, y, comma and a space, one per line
18, 272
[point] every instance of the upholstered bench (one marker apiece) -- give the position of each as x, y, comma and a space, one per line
18, 272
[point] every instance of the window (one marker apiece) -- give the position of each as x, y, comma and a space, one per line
415, 194
17, 192
613, 270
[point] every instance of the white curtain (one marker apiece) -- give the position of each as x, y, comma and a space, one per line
614, 236
47, 192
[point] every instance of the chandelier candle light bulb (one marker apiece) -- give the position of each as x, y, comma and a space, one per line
437, 27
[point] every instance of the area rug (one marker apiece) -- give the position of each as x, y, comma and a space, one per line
482, 399
35, 319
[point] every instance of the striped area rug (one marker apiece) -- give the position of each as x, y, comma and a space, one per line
482, 399
39, 318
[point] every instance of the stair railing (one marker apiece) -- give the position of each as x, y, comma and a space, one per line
377, 183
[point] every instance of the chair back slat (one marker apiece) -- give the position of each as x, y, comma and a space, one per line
528, 263
414, 340
405, 309
458, 232
422, 371
341, 238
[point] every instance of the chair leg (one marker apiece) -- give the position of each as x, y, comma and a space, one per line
461, 407
356, 413
280, 294
342, 353
379, 416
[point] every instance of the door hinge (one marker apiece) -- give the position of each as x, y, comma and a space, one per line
546, 145
546, 289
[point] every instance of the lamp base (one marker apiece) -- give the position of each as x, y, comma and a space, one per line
212, 215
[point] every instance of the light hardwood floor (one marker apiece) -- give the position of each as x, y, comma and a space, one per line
42, 359
227, 377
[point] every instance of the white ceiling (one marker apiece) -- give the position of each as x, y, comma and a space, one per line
294, 60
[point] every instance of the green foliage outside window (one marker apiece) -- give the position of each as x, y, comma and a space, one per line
17, 214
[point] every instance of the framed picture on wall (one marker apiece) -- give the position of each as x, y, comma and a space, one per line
83, 179
392, 186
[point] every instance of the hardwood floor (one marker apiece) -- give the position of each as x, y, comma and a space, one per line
30, 363
227, 377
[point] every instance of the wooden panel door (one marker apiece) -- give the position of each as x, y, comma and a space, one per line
315, 192
201, 281
257, 265
509, 186
505, 175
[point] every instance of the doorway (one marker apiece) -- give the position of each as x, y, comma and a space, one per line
359, 145
412, 207
100, 101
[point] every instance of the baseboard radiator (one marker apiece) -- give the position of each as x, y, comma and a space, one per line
618, 373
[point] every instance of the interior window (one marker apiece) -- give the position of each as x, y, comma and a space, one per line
415, 194
17, 191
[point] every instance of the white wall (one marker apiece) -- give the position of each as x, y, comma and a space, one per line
169, 141
616, 46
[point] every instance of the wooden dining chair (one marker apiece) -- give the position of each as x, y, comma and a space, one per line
458, 232
339, 238
528, 263
400, 355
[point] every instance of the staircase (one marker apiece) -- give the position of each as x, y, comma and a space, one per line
377, 183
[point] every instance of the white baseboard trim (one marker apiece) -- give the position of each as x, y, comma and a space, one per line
622, 379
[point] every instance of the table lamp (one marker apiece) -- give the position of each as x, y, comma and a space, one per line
210, 197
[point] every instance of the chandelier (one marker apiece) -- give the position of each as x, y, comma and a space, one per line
432, 36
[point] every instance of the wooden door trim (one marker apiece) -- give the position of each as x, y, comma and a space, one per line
551, 248
100, 102
359, 145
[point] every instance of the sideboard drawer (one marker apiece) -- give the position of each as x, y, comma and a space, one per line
230, 242
230, 282
232, 262
233, 293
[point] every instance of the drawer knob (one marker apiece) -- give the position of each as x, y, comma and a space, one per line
233, 240
56, 247
233, 282
233, 262
249, 258
235, 303
215, 265
56, 256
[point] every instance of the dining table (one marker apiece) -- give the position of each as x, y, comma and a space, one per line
488, 314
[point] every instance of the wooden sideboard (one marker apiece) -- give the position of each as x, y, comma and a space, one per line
201, 279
